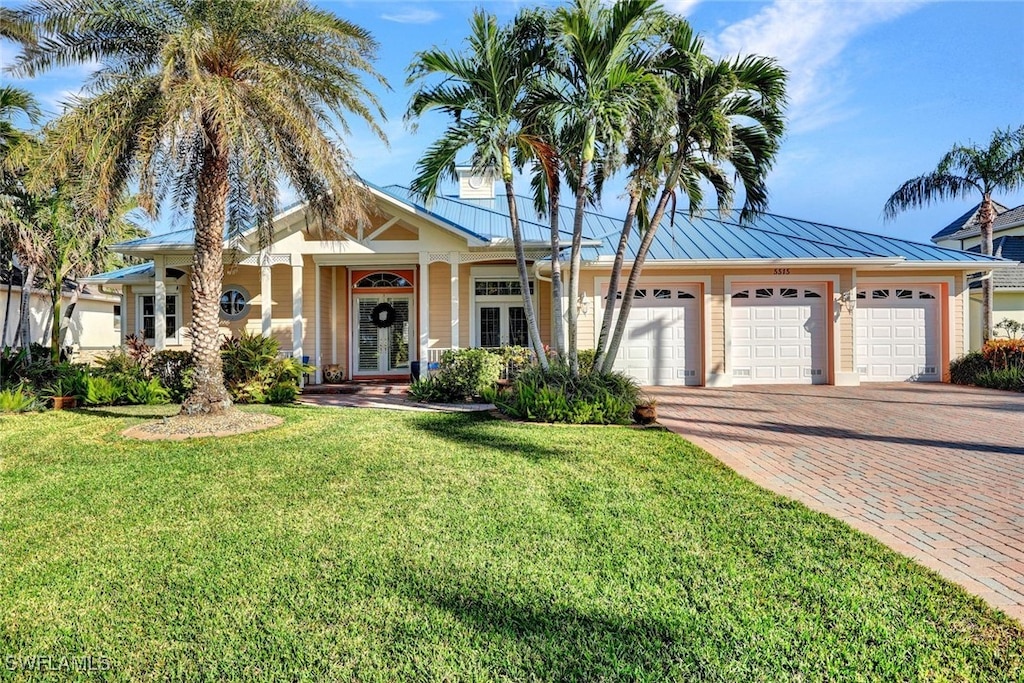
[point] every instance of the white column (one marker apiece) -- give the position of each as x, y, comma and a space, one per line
159, 305
266, 303
334, 314
124, 315
424, 308
317, 379
297, 307
453, 260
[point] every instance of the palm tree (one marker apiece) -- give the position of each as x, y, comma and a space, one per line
14, 103
209, 102
963, 171
604, 82
728, 117
483, 89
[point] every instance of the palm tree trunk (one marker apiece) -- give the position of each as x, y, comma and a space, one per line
638, 263
557, 321
7, 307
55, 324
613, 282
524, 276
572, 326
25, 323
986, 216
65, 323
208, 394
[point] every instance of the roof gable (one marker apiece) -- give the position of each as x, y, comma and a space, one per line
969, 222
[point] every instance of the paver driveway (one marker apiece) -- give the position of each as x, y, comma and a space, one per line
934, 471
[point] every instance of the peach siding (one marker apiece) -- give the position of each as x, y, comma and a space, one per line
440, 324
464, 319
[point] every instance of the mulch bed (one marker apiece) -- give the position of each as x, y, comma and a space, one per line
182, 427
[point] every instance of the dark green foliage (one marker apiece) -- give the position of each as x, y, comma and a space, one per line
174, 370
556, 395
254, 372
123, 364
464, 374
1007, 379
71, 379
514, 359
16, 368
999, 365
430, 389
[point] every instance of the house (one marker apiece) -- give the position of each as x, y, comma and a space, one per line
1008, 243
95, 319
720, 304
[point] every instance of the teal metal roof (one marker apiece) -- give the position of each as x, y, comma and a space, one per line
707, 236
126, 273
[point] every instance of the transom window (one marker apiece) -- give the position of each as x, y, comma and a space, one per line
382, 280
764, 293
663, 294
234, 303
500, 288
788, 293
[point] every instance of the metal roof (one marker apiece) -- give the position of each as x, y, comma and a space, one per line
128, 273
707, 236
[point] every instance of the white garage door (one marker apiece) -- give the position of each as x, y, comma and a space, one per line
779, 334
661, 345
898, 333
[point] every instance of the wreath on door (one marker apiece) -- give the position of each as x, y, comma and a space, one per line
383, 315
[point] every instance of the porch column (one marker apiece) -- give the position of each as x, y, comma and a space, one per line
424, 307
159, 304
316, 325
123, 322
297, 308
453, 261
266, 305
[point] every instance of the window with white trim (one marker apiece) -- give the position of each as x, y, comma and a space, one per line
147, 317
234, 303
500, 318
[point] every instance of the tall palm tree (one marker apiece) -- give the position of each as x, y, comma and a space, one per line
728, 122
14, 103
209, 102
963, 171
483, 89
604, 81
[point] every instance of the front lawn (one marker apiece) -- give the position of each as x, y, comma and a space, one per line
354, 544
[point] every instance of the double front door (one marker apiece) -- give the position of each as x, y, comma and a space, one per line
383, 350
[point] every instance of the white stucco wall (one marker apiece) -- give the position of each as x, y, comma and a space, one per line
92, 323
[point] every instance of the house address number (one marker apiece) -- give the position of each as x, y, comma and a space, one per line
782, 271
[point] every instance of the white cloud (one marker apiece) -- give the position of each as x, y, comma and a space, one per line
412, 15
807, 37
681, 7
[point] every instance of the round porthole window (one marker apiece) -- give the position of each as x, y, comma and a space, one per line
234, 303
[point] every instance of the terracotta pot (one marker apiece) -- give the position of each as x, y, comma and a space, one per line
64, 402
645, 415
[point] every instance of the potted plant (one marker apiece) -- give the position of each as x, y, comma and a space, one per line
63, 394
646, 412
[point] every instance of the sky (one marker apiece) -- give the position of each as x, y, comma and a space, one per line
878, 92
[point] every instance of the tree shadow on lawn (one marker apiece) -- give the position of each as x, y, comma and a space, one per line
525, 634
483, 431
138, 411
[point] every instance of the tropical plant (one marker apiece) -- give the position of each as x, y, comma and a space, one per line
483, 88
963, 171
174, 370
601, 84
208, 102
966, 368
727, 128
255, 373
19, 399
560, 395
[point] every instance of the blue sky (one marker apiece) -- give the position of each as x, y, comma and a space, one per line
879, 91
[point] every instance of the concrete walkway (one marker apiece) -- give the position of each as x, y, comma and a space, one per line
934, 471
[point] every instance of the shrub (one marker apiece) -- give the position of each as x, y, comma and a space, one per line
430, 390
586, 358
1004, 353
965, 369
19, 399
467, 372
120, 363
253, 372
174, 370
513, 359
556, 396
103, 391
1008, 379
142, 392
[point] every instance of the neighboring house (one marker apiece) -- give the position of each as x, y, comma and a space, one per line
1007, 243
95, 319
719, 304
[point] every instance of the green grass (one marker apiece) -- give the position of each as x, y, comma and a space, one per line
366, 545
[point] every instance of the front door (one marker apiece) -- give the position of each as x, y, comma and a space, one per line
382, 350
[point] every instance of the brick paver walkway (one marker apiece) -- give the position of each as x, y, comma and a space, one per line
934, 471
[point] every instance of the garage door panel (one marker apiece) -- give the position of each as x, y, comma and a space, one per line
662, 342
898, 333
778, 334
